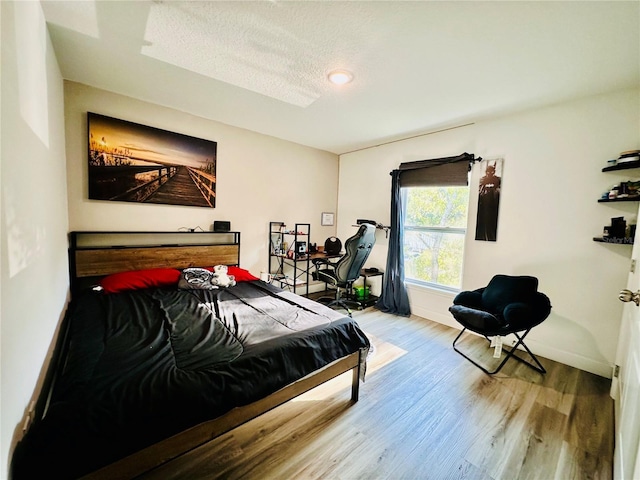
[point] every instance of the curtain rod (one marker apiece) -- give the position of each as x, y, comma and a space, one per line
437, 162
408, 138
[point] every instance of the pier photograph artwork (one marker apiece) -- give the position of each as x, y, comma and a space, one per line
129, 162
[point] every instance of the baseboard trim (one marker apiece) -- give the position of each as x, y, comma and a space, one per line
580, 362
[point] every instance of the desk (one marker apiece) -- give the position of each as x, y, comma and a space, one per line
313, 256
303, 268
370, 299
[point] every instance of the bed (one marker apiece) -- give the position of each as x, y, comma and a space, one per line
146, 371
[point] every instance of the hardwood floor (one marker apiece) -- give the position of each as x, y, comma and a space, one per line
424, 413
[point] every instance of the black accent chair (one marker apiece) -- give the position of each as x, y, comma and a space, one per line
509, 304
346, 270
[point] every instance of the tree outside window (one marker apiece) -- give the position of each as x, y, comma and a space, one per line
435, 227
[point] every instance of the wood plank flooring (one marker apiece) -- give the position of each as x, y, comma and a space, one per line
424, 413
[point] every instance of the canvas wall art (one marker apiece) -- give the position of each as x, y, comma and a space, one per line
489, 199
129, 162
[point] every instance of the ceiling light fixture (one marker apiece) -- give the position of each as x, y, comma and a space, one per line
340, 77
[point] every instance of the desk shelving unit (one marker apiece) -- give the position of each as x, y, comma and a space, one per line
289, 260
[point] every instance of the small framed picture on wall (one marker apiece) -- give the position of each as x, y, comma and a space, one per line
327, 219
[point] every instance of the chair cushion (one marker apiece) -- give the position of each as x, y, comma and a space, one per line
508, 304
471, 299
505, 289
477, 320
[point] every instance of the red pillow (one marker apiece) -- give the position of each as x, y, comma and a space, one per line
240, 274
135, 279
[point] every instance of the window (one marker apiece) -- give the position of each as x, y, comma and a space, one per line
435, 224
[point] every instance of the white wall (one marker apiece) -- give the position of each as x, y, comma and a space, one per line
549, 213
260, 178
548, 216
34, 280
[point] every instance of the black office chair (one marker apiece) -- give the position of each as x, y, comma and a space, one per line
342, 273
509, 304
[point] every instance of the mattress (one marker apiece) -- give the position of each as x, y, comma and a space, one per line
141, 366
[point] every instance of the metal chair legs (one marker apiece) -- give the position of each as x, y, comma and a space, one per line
342, 304
510, 354
340, 301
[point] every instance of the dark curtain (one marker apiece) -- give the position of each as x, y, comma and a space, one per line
440, 171
394, 298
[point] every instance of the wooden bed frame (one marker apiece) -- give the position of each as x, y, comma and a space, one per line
96, 254
93, 255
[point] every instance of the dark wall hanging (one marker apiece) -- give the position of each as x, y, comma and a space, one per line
489, 199
129, 162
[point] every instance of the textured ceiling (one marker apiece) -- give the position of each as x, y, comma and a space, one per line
418, 66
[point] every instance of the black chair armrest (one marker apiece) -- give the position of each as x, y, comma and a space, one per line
541, 306
518, 316
521, 316
478, 321
471, 299
318, 261
322, 265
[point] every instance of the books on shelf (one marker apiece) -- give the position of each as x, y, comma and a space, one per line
628, 156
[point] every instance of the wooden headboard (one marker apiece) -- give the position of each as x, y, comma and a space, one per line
93, 255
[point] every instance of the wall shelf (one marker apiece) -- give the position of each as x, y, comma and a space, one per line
626, 229
624, 199
622, 166
615, 240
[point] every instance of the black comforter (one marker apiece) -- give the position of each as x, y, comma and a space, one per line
144, 365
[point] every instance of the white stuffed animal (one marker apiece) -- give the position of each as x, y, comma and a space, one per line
220, 277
